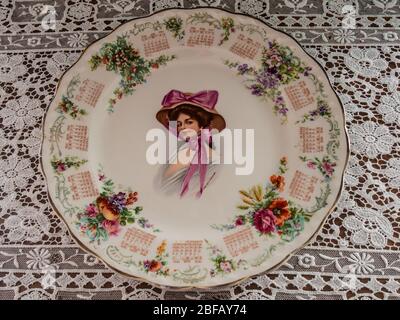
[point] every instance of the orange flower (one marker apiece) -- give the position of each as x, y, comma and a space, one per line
279, 203
281, 210
161, 248
278, 182
155, 266
280, 220
108, 212
132, 198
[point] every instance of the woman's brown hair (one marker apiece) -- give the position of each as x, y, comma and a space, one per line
202, 117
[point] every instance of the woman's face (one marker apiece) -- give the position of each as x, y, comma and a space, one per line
187, 126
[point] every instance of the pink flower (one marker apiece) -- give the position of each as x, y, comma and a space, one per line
91, 210
112, 227
61, 167
328, 168
311, 164
225, 266
264, 221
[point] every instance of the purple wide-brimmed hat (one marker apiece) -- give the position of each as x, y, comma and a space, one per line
205, 99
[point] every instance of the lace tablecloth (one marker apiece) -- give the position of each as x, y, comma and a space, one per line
357, 252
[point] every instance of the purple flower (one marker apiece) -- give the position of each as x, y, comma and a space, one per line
273, 70
322, 109
147, 264
144, 223
256, 90
243, 68
307, 71
268, 80
118, 201
283, 110
279, 100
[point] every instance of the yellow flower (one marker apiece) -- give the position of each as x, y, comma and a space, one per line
161, 248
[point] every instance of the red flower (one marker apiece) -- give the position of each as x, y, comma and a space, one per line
239, 221
155, 266
60, 167
264, 221
154, 65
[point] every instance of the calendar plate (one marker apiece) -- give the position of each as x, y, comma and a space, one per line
270, 169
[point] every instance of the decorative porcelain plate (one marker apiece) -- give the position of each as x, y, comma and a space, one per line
194, 148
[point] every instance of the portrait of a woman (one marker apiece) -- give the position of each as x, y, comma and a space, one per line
192, 117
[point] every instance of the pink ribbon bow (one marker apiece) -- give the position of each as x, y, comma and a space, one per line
199, 161
204, 98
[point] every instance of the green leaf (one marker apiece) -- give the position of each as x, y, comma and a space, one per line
138, 209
